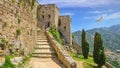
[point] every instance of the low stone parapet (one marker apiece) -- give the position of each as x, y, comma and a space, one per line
108, 65
62, 55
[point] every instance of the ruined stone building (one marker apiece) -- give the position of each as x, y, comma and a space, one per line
23, 25
49, 16
22, 16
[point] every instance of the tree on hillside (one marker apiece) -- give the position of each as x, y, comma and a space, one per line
85, 45
98, 52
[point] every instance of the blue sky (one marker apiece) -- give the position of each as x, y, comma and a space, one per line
84, 13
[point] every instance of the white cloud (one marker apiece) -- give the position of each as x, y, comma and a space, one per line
105, 16
95, 12
92, 17
99, 12
112, 16
81, 3
71, 14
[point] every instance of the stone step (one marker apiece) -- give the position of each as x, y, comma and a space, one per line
1, 52
43, 51
42, 43
43, 47
42, 40
38, 29
41, 31
41, 37
44, 55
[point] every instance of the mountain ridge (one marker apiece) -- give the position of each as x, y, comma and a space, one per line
110, 35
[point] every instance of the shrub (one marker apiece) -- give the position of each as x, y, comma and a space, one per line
56, 35
33, 3
10, 48
19, 21
18, 31
23, 62
115, 63
3, 40
16, 15
4, 43
22, 52
7, 63
5, 23
13, 1
25, 59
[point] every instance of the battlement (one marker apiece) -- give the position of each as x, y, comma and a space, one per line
49, 6
65, 17
48, 14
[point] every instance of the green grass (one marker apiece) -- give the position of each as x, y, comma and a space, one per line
8, 63
116, 64
56, 35
89, 62
85, 65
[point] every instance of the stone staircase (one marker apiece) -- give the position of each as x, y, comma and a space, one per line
43, 48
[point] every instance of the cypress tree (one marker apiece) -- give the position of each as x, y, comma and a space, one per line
98, 52
85, 45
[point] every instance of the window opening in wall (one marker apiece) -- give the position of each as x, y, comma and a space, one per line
59, 24
49, 16
65, 28
43, 16
47, 25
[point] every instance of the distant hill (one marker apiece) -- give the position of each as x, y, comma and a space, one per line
110, 35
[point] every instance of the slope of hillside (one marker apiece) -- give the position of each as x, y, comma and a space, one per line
110, 35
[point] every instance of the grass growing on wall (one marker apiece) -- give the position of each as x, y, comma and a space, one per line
56, 35
23, 62
8, 63
18, 31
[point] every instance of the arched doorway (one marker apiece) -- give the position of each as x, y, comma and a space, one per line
47, 25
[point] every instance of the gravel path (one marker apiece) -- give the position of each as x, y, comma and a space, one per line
44, 63
79, 64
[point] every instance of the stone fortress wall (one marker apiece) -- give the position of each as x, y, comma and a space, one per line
26, 15
17, 15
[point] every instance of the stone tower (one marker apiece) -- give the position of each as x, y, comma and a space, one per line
64, 27
48, 15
